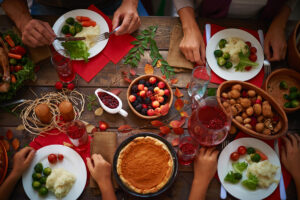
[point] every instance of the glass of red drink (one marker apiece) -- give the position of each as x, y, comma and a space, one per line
209, 123
76, 132
63, 64
187, 149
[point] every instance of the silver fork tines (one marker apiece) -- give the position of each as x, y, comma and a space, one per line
103, 36
106, 35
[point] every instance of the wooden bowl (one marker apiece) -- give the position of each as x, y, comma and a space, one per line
271, 85
170, 100
293, 52
226, 86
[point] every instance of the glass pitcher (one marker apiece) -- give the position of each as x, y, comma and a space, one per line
209, 123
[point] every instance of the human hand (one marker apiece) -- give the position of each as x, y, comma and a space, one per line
127, 17
192, 46
37, 33
100, 169
275, 43
290, 152
205, 165
22, 160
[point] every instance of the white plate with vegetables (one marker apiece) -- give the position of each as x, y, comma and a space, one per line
241, 165
234, 54
43, 165
81, 23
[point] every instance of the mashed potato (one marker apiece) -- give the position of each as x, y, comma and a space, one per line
90, 33
234, 46
60, 182
265, 172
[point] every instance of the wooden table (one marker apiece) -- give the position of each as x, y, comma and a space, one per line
110, 77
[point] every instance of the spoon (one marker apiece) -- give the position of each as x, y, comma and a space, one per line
118, 109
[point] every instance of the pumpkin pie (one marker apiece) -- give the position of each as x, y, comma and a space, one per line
145, 165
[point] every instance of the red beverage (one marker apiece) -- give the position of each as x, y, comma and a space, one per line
64, 67
108, 100
209, 125
77, 133
188, 154
187, 150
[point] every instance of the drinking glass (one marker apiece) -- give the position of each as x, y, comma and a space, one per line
187, 149
77, 133
209, 123
62, 62
201, 76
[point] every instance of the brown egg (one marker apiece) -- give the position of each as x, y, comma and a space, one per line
43, 113
66, 111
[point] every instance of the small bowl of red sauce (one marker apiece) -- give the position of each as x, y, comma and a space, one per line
110, 102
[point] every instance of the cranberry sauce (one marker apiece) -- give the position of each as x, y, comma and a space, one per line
108, 100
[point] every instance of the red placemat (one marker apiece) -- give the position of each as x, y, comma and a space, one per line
116, 48
286, 175
257, 80
57, 137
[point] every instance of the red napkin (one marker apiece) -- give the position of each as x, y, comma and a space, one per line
116, 48
286, 175
57, 137
257, 80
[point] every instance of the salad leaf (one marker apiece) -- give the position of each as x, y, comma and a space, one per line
244, 61
27, 73
77, 49
233, 177
251, 183
239, 166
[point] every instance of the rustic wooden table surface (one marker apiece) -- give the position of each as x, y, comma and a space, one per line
110, 77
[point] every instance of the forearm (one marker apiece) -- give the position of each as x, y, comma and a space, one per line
281, 19
187, 18
107, 191
8, 185
133, 3
297, 183
18, 11
198, 190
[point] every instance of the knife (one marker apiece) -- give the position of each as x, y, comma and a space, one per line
281, 182
12, 103
70, 38
267, 64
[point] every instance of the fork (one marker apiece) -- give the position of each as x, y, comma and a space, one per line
106, 35
223, 193
267, 64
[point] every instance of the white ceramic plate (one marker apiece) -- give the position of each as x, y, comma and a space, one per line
225, 165
231, 74
72, 162
99, 46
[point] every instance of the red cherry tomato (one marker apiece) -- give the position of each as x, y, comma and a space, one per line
234, 156
18, 68
248, 68
60, 157
253, 57
253, 50
242, 150
248, 44
52, 158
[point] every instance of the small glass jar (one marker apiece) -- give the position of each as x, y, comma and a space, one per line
77, 133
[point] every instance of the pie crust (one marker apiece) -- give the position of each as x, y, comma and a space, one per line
145, 165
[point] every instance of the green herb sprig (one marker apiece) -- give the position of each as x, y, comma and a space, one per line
144, 41
91, 102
